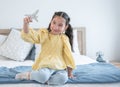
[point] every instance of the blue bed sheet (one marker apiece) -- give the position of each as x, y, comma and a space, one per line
88, 73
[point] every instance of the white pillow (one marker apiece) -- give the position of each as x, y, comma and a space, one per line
75, 42
2, 39
14, 47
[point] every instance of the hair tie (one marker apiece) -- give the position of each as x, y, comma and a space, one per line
61, 14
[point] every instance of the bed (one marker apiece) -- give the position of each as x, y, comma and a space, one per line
18, 56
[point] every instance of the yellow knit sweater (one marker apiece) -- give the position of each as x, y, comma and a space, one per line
55, 49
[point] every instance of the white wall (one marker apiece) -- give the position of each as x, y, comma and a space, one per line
117, 45
100, 17
118, 32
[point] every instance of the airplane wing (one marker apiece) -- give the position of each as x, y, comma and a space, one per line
34, 15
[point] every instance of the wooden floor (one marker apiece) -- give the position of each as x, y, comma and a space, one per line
117, 64
66, 85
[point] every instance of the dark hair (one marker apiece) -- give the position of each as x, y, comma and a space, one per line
69, 30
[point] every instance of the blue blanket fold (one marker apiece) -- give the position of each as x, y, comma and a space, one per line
88, 73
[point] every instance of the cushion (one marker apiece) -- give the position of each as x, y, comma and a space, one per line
31, 55
2, 39
14, 47
75, 42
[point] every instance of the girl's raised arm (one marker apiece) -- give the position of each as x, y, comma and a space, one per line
26, 22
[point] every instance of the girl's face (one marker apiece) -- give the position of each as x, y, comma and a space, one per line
58, 25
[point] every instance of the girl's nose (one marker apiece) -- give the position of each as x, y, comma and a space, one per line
56, 27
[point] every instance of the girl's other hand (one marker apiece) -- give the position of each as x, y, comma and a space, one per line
70, 75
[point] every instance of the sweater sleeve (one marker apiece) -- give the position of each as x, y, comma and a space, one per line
34, 36
67, 53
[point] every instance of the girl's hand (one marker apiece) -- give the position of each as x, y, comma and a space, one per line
70, 75
27, 20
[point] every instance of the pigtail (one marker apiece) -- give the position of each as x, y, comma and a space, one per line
69, 33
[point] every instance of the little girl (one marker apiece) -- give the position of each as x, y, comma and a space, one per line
55, 62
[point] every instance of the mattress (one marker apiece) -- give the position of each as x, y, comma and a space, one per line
5, 62
79, 60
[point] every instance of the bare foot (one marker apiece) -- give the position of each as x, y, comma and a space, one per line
23, 76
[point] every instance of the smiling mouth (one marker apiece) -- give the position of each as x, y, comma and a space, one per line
55, 30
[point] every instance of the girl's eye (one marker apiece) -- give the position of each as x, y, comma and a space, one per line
54, 22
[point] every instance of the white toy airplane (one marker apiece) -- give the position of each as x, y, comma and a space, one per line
33, 15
